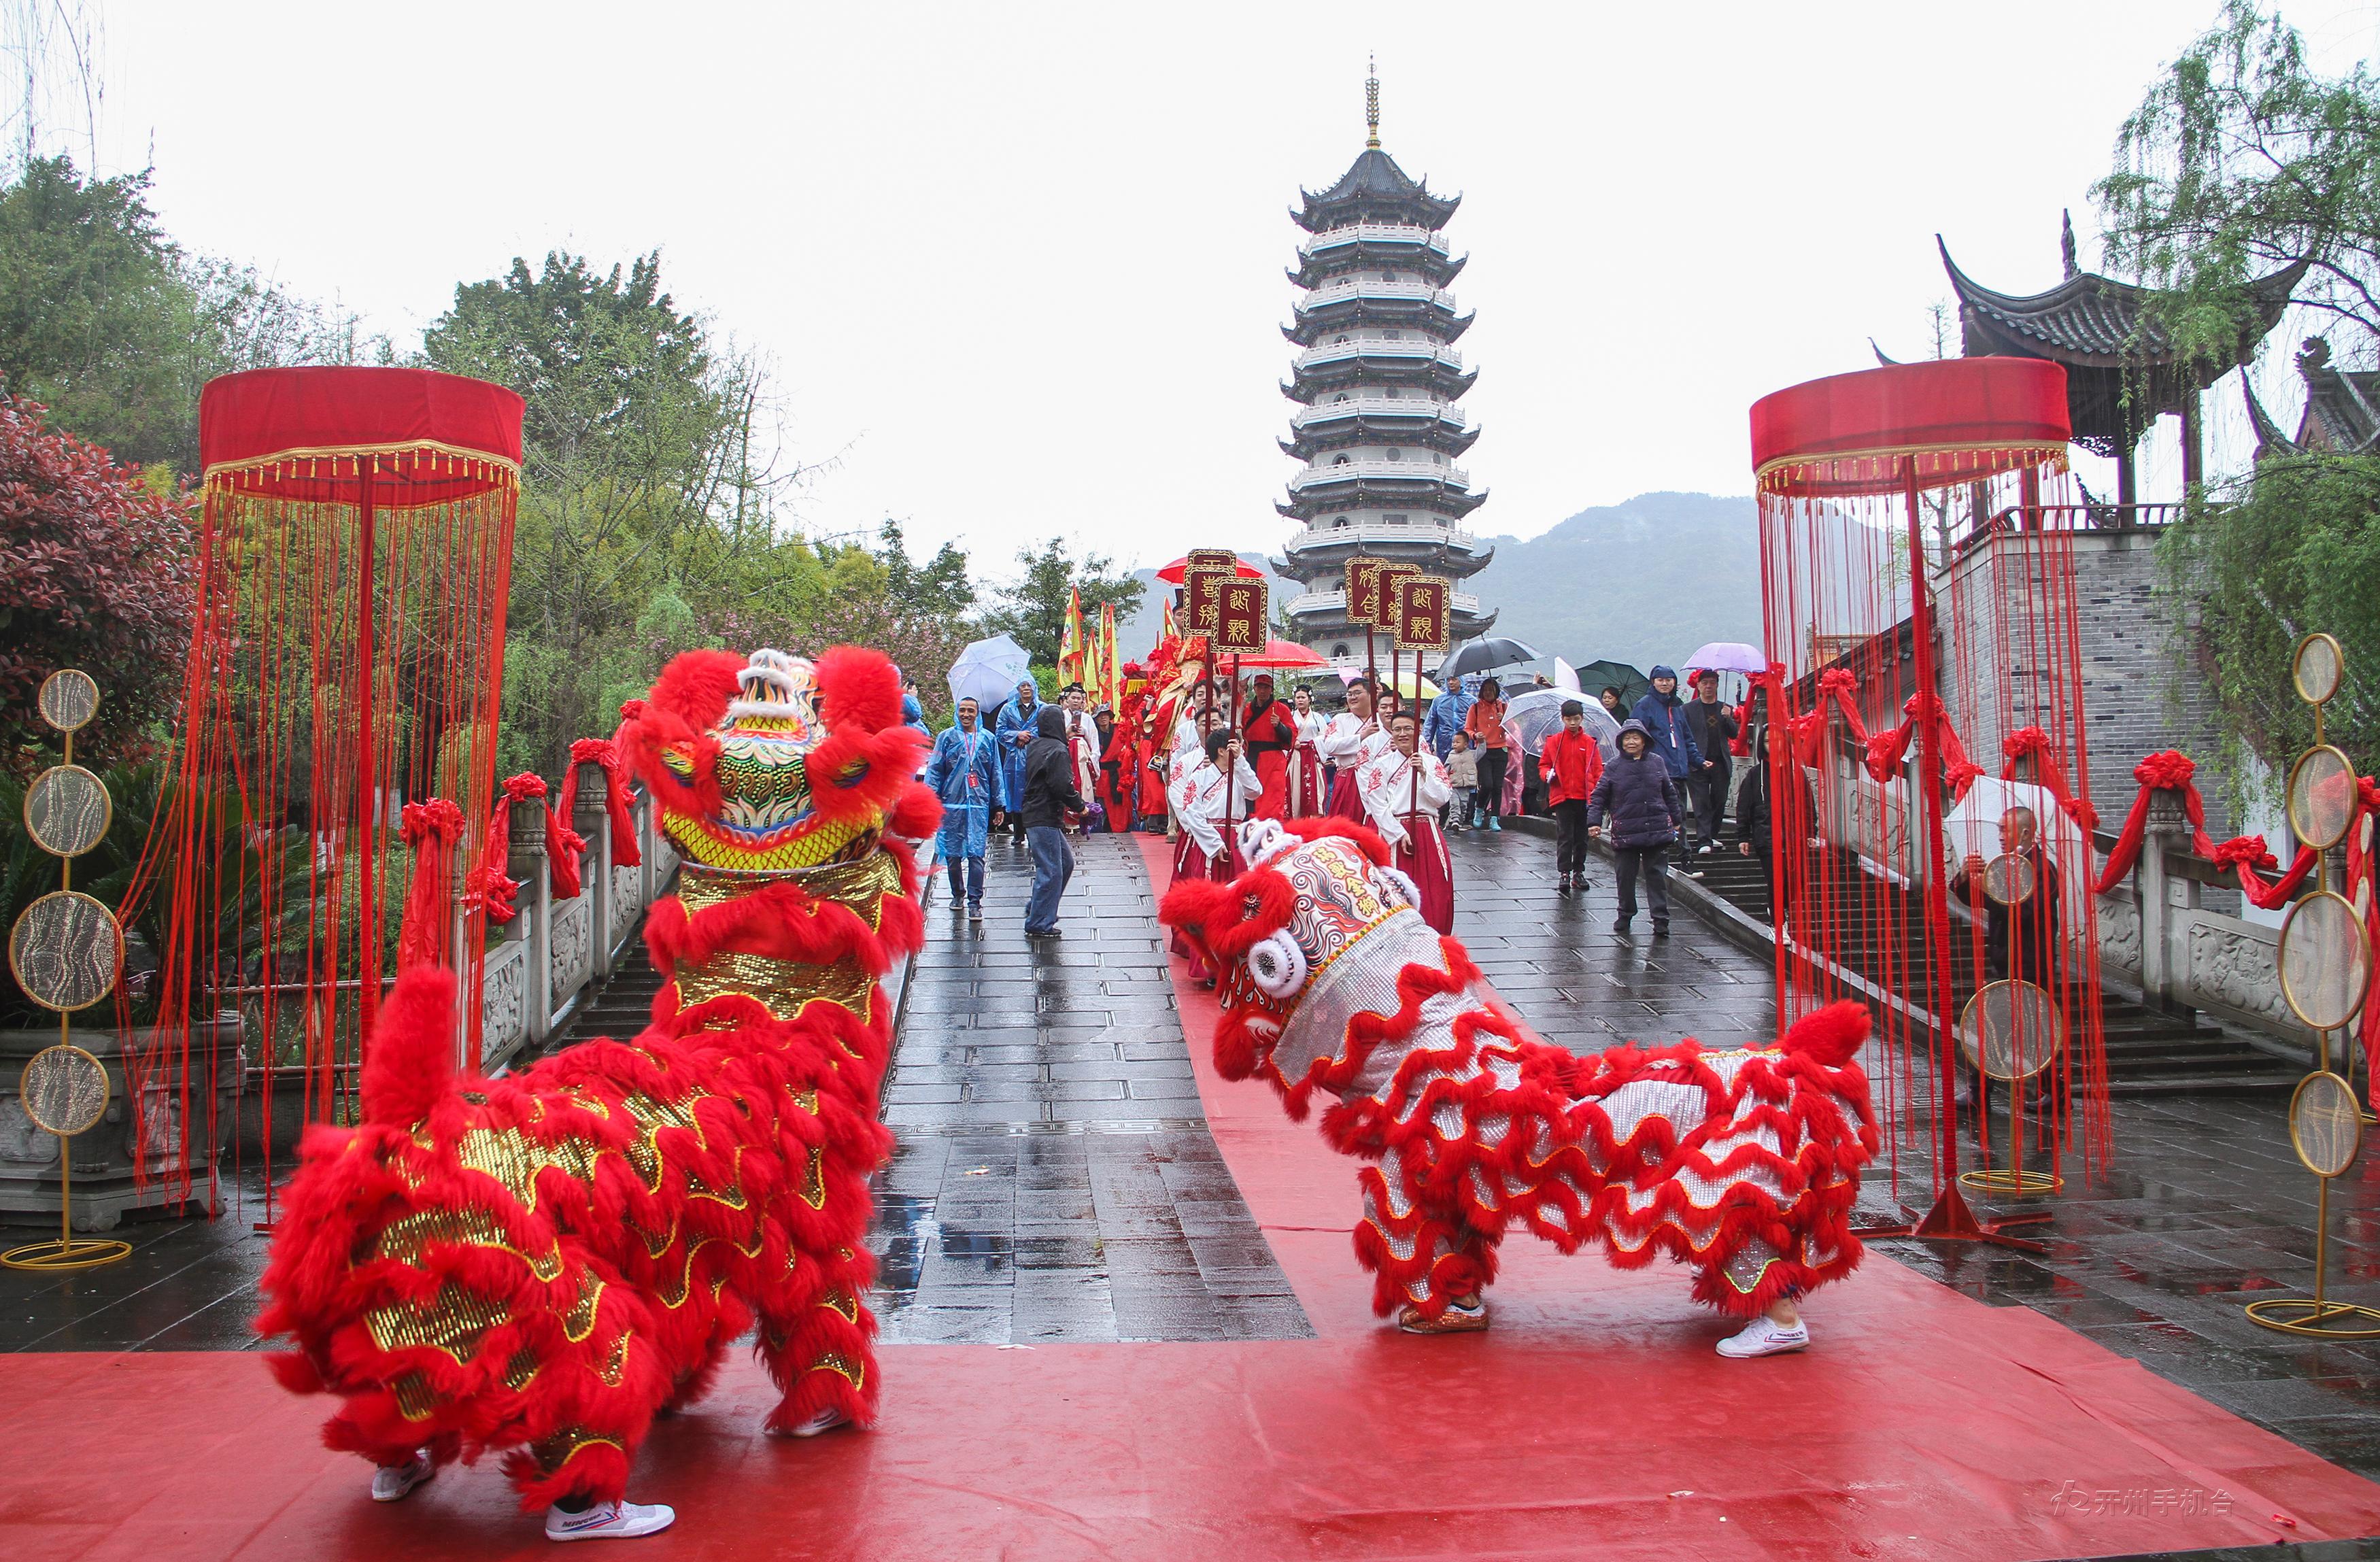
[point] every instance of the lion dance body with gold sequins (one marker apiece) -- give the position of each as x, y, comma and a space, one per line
540, 1263
1743, 1162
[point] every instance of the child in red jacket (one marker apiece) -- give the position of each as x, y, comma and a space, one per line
1572, 762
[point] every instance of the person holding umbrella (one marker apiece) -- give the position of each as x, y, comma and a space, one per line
1015, 727
966, 774
1484, 723
1714, 727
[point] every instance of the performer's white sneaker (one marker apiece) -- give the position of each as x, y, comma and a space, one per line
826, 1420
609, 1521
1460, 1317
1764, 1336
394, 1483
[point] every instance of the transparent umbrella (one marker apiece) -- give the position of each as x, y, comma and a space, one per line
990, 671
1532, 718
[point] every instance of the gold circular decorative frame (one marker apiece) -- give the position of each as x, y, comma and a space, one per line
68, 699
2324, 1108
67, 810
2010, 878
2301, 922
2342, 768
73, 913
62, 1090
2308, 670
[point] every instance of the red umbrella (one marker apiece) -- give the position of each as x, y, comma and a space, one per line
1278, 653
1172, 574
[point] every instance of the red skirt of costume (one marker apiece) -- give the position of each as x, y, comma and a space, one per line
1423, 859
1345, 802
1272, 778
1305, 782
1115, 795
1152, 799
1190, 862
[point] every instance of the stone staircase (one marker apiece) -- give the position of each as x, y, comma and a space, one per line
2151, 1052
620, 1006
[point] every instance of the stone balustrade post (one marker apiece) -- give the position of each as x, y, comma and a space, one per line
590, 818
526, 863
2161, 893
459, 952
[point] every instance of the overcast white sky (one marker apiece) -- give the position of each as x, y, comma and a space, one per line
1020, 266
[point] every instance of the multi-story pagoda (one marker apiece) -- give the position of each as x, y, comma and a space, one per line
1378, 383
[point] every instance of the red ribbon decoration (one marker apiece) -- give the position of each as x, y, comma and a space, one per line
2245, 855
1886, 750
604, 752
432, 829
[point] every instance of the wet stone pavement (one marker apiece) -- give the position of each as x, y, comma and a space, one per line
1055, 1179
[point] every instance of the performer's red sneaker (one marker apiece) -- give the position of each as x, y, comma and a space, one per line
1460, 1317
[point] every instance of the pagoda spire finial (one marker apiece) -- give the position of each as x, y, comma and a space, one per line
1372, 101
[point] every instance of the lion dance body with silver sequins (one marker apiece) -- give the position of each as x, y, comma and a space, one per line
540, 1263
1741, 1162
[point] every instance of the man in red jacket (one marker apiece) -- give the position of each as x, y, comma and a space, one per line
1269, 733
1572, 762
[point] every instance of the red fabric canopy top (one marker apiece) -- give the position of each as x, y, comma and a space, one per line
1956, 419
420, 436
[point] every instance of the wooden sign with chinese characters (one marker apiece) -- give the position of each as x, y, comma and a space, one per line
1363, 592
1424, 613
1241, 615
1384, 594
1212, 559
1201, 595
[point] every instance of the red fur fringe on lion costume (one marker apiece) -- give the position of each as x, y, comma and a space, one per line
1741, 1162
538, 1264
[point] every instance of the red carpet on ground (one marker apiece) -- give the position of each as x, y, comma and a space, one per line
1594, 1420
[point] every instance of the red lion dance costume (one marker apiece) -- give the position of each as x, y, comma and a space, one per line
1742, 1162
539, 1263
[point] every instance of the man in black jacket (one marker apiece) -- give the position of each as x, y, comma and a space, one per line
1050, 796
1714, 727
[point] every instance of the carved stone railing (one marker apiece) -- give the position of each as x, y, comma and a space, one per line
554, 951
2157, 930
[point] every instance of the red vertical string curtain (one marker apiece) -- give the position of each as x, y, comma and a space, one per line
1919, 600
346, 658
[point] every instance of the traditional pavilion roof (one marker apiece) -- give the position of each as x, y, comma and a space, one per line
2343, 411
2123, 367
1375, 187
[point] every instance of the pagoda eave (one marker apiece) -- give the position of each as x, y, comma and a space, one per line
1430, 433
1437, 266
1438, 496
1445, 384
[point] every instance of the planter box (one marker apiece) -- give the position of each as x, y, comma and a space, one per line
103, 1189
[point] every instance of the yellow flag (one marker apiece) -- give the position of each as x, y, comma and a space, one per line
1069, 640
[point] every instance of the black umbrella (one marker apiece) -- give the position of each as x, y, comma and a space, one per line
1596, 676
1482, 655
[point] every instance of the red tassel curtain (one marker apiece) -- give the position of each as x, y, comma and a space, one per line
1918, 584
346, 660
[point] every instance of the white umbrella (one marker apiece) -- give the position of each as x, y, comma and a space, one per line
1727, 656
1565, 676
1973, 825
1531, 717
989, 671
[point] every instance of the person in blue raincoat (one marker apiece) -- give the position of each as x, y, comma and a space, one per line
1014, 728
966, 774
1446, 714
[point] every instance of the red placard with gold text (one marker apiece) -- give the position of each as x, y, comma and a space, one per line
1384, 594
1201, 595
1425, 612
1363, 592
1212, 559
1240, 615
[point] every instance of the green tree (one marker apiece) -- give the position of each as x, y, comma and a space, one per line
115, 329
1033, 610
633, 430
2259, 563
2241, 160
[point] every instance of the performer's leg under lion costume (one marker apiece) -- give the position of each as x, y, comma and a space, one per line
1742, 1162
539, 1263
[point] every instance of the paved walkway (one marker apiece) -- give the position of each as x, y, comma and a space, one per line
1055, 1179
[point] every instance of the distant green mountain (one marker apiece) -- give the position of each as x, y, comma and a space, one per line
1642, 582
